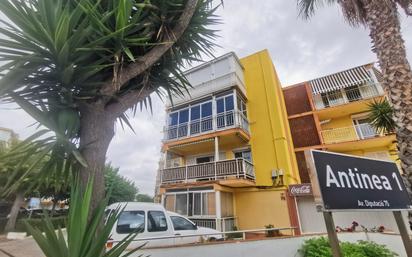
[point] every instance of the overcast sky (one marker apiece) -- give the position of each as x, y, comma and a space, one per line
301, 50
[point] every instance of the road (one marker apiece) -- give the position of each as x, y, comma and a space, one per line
20, 248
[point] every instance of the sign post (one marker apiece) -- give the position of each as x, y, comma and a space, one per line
350, 183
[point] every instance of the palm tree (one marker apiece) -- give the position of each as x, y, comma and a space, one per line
381, 116
382, 19
77, 66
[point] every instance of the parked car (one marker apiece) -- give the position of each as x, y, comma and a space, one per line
156, 226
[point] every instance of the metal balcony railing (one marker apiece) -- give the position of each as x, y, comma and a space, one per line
239, 168
220, 121
220, 224
345, 134
346, 95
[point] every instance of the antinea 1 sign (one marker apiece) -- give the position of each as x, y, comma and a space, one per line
349, 182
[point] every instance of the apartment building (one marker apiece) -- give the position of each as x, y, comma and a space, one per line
233, 152
228, 155
331, 113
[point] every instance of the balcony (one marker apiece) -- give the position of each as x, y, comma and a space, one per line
220, 170
221, 121
345, 134
346, 95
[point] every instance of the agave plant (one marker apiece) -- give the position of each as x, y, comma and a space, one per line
381, 116
84, 236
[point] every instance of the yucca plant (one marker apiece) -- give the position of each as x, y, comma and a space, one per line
381, 116
84, 237
77, 66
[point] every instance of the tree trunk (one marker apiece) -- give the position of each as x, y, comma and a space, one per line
385, 31
14, 212
97, 131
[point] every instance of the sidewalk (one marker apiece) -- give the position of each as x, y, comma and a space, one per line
20, 248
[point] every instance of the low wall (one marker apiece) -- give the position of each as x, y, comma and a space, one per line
282, 247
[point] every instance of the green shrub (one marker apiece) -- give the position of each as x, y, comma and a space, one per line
319, 247
58, 222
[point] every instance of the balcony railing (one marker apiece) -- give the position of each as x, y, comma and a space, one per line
239, 168
345, 96
222, 224
221, 121
357, 132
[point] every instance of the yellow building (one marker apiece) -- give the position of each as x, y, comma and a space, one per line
331, 113
234, 146
228, 152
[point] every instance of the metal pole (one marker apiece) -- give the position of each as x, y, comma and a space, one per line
404, 233
333, 237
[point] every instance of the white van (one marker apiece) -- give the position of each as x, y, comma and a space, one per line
155, 222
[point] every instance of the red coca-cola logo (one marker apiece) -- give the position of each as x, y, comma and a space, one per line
300, 189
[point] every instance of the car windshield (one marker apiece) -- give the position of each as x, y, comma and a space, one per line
180, 223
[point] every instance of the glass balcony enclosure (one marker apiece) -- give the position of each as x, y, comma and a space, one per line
220, 74
214, 113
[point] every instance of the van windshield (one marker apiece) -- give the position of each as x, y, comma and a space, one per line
130, 221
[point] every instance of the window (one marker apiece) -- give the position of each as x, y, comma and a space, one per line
245, 154
198, 203
224, 108
195, 113
225, 104
173, 118
206, 109
353, 93
130, 221
204, 159
180, 223
183, 116
181, 204
156, 221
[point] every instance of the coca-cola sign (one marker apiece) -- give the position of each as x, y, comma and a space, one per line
300, 189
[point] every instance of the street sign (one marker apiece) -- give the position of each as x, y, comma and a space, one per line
355, 183
344, 182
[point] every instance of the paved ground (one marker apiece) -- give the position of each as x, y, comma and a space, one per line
20, 248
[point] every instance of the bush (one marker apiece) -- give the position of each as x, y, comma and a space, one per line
58, 222
319, 247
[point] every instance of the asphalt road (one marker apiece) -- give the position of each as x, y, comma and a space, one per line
20, 248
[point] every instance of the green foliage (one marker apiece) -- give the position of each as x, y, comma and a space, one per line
121, 189
85, 237
381, 116
319, 247
144, 198
58, 222
58, 56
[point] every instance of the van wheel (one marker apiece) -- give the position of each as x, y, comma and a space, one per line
212, 239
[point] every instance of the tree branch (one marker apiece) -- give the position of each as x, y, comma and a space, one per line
142, 63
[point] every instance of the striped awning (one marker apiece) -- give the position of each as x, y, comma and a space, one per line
343, 79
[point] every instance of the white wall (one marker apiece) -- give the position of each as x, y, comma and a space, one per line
282, 247
312, 221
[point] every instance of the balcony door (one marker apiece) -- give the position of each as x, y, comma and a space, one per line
363, 129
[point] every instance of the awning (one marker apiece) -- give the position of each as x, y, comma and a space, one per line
347, 78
